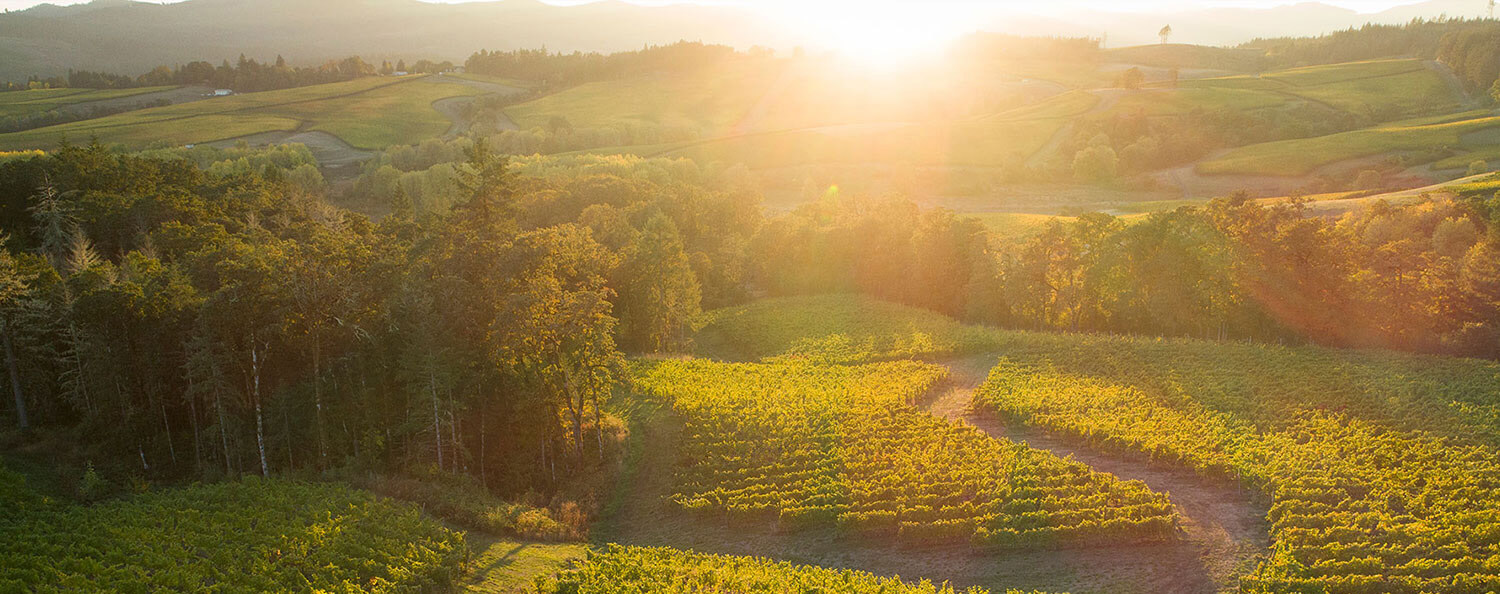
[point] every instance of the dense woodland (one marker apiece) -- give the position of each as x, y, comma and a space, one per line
245, 75
564, 69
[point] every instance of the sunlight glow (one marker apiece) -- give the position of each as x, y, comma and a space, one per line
878, 34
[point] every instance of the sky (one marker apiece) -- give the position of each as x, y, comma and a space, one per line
1114, 5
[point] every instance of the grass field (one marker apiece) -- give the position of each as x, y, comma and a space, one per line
39, 100
1171, 102
710, 101
1382, 89
505, 566
1302, 156
371, 112
837, 328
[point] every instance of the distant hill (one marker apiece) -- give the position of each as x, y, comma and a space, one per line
129, 37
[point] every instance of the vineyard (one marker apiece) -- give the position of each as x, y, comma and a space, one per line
620, 569
808, 446
834, 328
1381, 468
247, 536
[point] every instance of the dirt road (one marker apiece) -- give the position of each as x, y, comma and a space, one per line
1223, 533
1224, 524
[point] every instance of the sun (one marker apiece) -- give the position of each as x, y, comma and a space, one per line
877, 34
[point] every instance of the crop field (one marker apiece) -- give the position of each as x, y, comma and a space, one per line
1382, 467
980, 142
287, 536
810, 446
709, 101
1170, 102
370, 112
1384, 89
39, 100
643, 569
1302, 156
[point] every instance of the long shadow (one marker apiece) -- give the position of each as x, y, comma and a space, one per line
481, 574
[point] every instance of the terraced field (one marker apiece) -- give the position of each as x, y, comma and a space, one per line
14, 103
1304, 155
370, 113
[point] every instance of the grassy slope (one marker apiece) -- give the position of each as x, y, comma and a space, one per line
1382, 88
369, 112
505, 566
1182, 101
40, 100
710, 100
847, 328
1302, 156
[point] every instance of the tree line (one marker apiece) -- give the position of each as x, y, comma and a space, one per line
557, 69
188, 324
244, 75
1422, 277
194, 326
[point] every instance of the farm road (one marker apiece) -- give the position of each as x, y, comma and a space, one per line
1223, 534
1224, 531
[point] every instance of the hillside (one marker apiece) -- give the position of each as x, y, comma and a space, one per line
132, 37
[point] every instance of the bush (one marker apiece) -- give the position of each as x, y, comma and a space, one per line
465, 502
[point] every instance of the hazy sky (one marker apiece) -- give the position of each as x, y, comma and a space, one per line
1360, 5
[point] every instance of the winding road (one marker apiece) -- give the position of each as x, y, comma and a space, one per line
1222, 536
1224, 525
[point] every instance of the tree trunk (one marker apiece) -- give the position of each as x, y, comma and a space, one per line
483, 475
437, 428
15, 377
318, 400
167, 424
260, 430
223, 432
197, 443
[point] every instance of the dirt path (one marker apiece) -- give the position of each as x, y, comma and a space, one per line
335, 157
1457, 86
1223, 524
1108, 99
455, 108
171, 96
1223, 530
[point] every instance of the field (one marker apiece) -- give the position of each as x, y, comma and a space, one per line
833, 328
819, 447
1302, 156
1171, 102
371, 112
1383, 90
286, 536
1381, 467
14, 103
637, 569
709, 102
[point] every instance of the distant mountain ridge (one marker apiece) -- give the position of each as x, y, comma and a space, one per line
128, 37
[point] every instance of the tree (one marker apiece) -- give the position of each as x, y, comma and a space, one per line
1164, 34
1096, 163
659, 295
13, 285
1132, 79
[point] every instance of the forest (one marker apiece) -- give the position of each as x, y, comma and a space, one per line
292, 335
